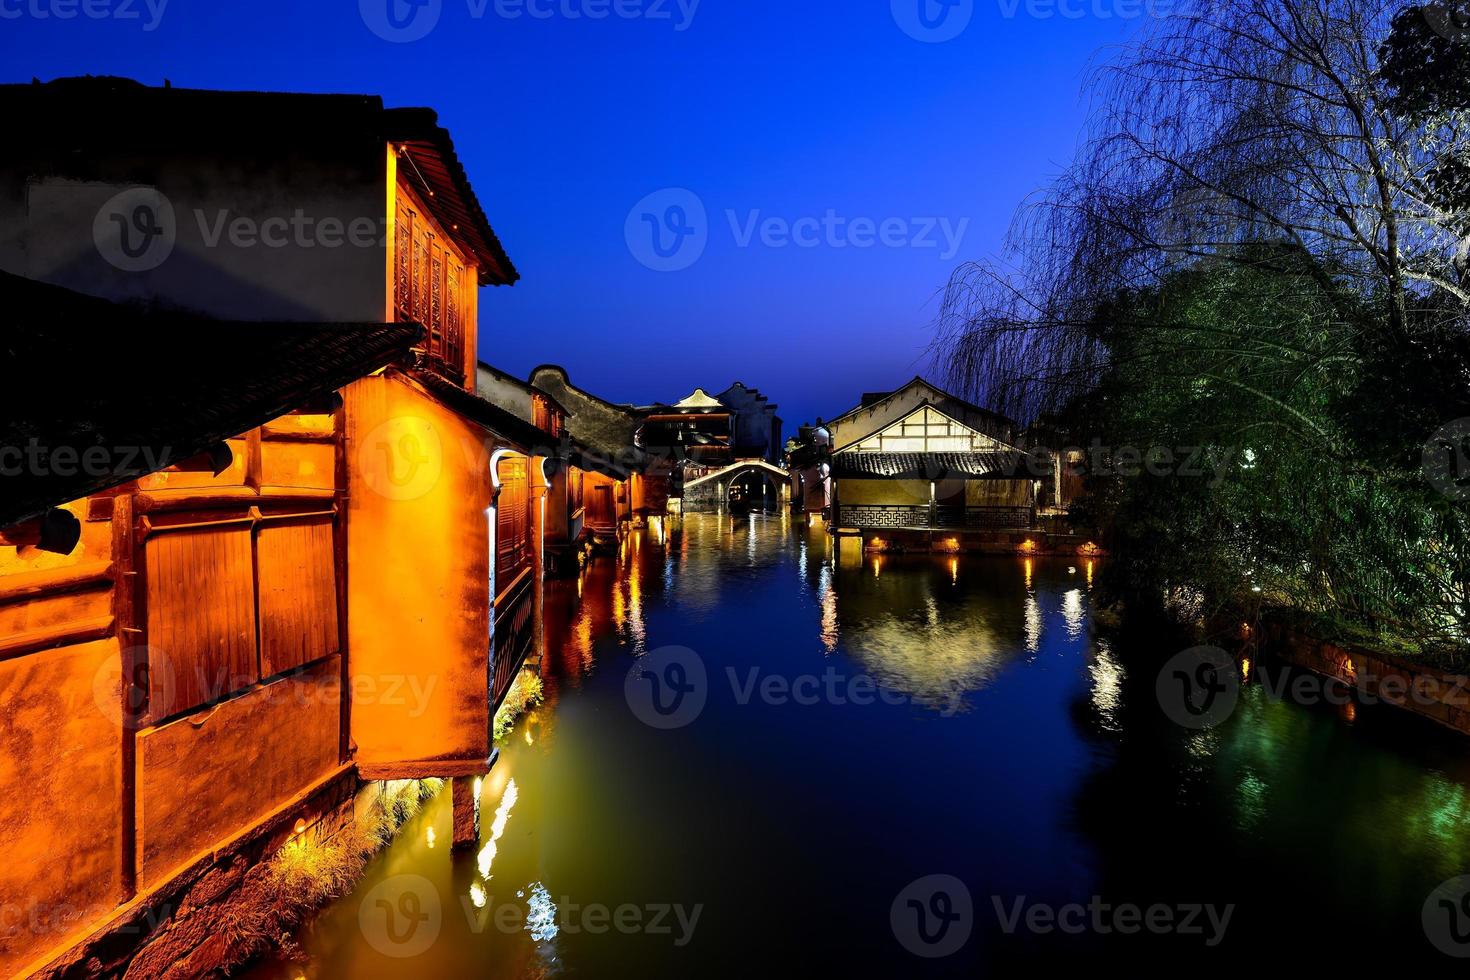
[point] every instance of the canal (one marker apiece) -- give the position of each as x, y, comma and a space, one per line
751, 763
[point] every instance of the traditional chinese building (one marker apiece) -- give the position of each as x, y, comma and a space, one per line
340, 591
612, 477
919, 468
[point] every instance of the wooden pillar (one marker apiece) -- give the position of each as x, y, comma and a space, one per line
539, 486
127, 597
836, 526
466, 812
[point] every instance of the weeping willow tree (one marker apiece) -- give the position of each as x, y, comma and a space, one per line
1259, 258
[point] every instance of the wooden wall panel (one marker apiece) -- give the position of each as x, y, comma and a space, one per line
61, 768
513, 535
999, 493
201, 617
309, 465
298, 594
205, 778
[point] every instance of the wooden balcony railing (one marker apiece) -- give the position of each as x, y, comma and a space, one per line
514, 633
934, 517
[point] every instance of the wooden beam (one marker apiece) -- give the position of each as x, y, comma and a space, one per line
426, 768
66, 634
55, 581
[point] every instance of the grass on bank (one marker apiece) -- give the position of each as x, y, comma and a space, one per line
278, 895
524, 694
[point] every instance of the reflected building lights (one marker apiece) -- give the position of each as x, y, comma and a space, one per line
1107, 686
1073, 613
497, 827
828, 596
636, 628
1033, 623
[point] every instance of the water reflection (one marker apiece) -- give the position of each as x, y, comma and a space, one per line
1024, 753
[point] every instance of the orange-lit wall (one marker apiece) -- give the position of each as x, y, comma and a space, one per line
418, 559
61, 769
84, 827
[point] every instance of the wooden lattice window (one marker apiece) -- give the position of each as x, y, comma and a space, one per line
544, 417
512, 522
429, 287
403, 252
455, 283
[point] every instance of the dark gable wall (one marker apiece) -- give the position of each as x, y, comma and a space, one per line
217, 158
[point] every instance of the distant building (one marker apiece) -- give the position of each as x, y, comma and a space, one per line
611, 479
755, 428
698, 430
917, 467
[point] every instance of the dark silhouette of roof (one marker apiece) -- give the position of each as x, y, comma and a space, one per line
872, 399
504, 423
143, 390
99, 127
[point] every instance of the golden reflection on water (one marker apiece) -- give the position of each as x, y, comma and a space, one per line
827, 596
1107, 686
1072, 613
926, 632
497, 828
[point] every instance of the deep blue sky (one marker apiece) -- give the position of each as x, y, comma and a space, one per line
789, 108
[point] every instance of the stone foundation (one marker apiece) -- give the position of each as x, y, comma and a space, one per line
1442, 697
992, 542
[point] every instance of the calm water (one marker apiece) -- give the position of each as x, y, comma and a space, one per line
1012, 748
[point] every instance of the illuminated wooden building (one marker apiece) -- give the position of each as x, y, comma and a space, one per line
171, 676
612, 479
921, 468
325, 608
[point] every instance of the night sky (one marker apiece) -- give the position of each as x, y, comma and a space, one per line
825, 110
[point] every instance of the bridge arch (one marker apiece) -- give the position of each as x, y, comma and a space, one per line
712, 491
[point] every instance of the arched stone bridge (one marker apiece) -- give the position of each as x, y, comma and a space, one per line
710, 491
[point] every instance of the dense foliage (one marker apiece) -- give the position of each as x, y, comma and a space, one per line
1250, 292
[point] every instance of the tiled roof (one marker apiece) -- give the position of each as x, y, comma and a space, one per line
143, 390
503, 422
930, 466
427, 144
